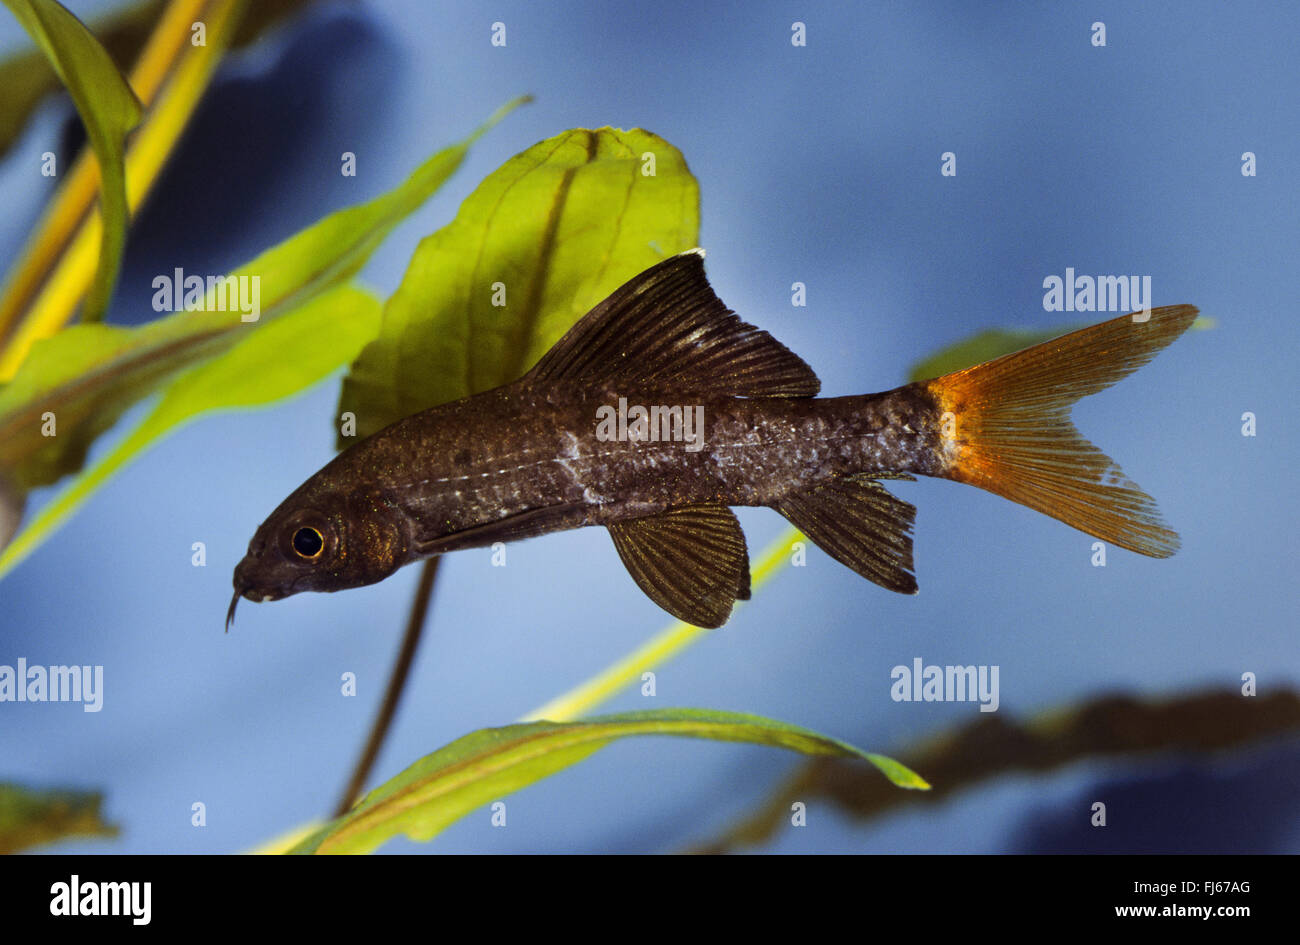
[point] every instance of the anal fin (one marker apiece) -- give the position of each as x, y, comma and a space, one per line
692, 561
859, 524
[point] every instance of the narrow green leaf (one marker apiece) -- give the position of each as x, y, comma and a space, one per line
537, 244
485, 765
284, 357
87, 375
108, 109
30, 818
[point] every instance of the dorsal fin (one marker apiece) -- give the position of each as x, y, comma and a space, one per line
667, 325
691, 561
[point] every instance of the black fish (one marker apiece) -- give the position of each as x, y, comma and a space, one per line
661, 408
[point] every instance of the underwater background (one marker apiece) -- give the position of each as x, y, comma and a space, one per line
819, 165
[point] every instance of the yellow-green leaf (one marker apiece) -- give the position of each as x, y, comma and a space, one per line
108, 109
87, 375
53, 273
282, 358
537, 244
30, 818
79, 382
485, 765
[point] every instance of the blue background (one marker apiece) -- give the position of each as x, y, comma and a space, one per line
819, 165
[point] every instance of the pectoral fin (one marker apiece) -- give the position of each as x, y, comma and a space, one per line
692, 562
859, 524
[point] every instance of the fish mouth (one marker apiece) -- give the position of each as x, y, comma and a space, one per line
257, 597
244, 587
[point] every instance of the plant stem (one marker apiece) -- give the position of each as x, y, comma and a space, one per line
396, 683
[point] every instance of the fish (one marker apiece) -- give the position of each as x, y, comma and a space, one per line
660, 410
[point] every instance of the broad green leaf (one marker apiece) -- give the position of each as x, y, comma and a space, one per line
108, 109
282, 358
87, 375
30, 818
485, 765
543, 239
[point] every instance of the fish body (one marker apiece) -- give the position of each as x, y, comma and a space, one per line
532, 452
661, 409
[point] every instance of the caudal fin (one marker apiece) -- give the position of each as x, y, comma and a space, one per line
1006, 428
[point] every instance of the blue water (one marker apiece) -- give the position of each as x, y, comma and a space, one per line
818, 165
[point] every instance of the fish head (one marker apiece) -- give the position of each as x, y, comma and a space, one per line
322, 539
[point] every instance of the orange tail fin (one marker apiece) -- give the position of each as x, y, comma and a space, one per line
1006, 428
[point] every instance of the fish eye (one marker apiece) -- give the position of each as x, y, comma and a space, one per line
308, 542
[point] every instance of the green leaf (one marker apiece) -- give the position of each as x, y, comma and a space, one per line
30, 818
485, 765
284, 357
108, 109
551, 232
86, 376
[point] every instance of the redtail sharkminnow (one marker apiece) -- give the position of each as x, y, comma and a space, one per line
661, 408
